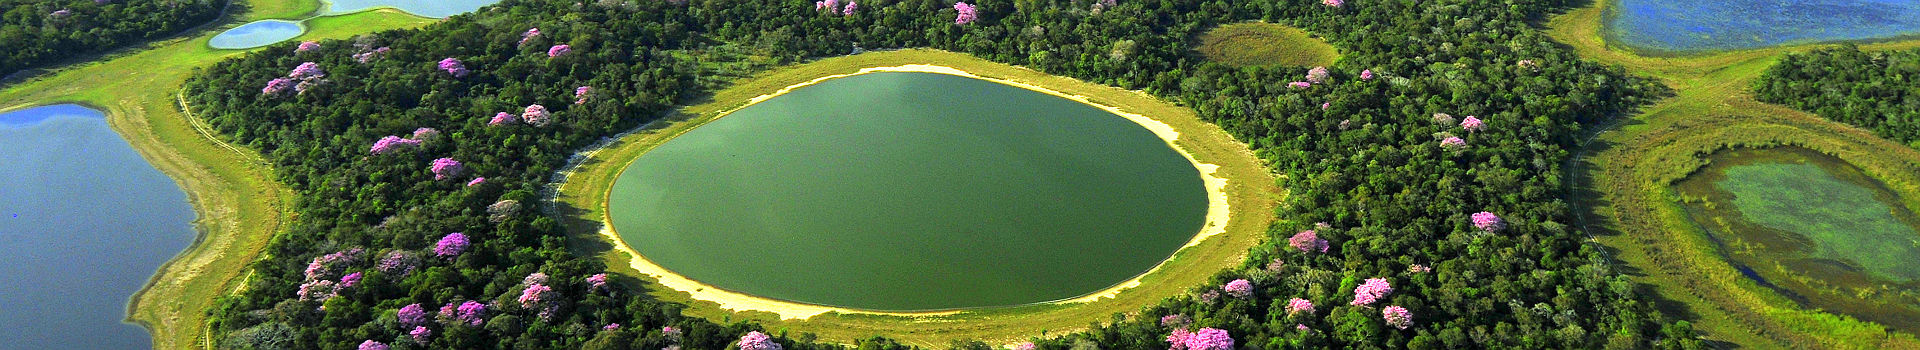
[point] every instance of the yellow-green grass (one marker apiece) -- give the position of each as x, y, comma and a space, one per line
1625, 173
239, 206
1265, 44
1251, 189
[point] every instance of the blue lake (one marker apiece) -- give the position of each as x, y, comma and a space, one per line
425, 8
1707, 25
85, 223
256, 34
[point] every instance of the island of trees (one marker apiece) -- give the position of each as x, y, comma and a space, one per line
36, 33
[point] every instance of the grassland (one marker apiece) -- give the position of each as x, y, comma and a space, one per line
1625, 172
1265, 44
1251, 190
232, 191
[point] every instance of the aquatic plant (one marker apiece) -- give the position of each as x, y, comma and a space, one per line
1371, 291
559, 50
1239, 288
758, 341
1397, 316
536, 115
1488, 222
444, 168
411, 315
966, 13
450, 245
1308, 242
454, 67
1297, 305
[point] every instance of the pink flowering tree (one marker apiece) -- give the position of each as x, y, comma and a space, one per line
1175, 321
830, 6
454, 67
368, 56
1024, 346
420, 334
851, 6
450, 245
372, 345
472, 313
476, 181
277, 86
529, 35
1453, 142
1209, 339
425, 134
391, 144
559, 50
1397, 316
536, 115
1299, 85
1472, 124
349, 280
1443, 118
320, 290
1239, 288
1418, 268
307, 71
444, 168
503, 118
398, 263
580, 94
1297, 305
1308, 242
1366, 74
412, 315
966, 13
597, 281
306, 46
1371, 291
758, 341
1488, 222
1318, 75
1333, 3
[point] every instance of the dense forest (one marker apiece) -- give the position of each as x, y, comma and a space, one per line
1427, 167
1878, 91
34, 33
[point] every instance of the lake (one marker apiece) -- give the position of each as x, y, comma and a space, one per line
256, 34
1815, 228
911, 191
1710, 25
424, 8
87, 222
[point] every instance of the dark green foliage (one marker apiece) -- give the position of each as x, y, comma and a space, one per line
32, 35
1877, 91
1369, 165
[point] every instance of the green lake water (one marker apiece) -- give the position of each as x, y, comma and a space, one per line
1815, 228
911, 191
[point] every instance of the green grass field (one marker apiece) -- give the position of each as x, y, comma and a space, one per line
1265, 44
239, 206
1252, 194
1624, 176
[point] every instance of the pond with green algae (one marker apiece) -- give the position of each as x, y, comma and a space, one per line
1813, 227
911, 191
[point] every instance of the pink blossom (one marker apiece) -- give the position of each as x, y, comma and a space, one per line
1325, 105
534, 278
1472, 124
326, 266
559, 50
473, 312
412, 315
420, 334
1453, 142
529, 35
476, 181
1210, 339
306, 46
1442, 118
966, 13
349, 280
1488, 222
1333, 3
397, 263
534, 295
372, 345
503, 118
368, 56
670, 332
320, 290
536, 115
610, 326
580, 94
276, 86
1297, 305
1299, 85
758, 341
597, 281
425, 134
1418, 268
392, 143
1308, 242
1366, 74
832, 6
454, 67
851, 6
1024, 346
1302, 327
444, 168
1371, 291
1397, 316
1239, 288
307, 70
1175, 321
1318, 75
450, 245
1178, 339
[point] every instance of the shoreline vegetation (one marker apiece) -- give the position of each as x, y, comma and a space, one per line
238, 205
1622, 186
1226, 166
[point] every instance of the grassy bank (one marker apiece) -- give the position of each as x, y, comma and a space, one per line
1624, 177
1251, 191
1265, 44
239, 206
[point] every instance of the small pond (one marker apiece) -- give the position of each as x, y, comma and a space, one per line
1709, 25
256, 34
1814, 227
911, 191
85, 223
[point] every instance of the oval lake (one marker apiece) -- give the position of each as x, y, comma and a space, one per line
1709, 25
85, 222
911, 191
256, 34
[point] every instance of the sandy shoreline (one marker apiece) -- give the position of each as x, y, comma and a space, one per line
1216, 218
